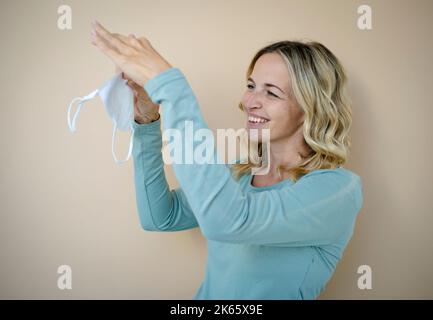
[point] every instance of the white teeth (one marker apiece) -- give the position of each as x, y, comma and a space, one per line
254, 119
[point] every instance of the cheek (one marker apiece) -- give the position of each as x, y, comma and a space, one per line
278, 112
245, 98
281, 119
286, 121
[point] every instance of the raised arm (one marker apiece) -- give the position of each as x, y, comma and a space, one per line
159, 208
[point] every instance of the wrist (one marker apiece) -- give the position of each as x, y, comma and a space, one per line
163, 67
147, 119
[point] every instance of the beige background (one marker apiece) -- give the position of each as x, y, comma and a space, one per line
65, 201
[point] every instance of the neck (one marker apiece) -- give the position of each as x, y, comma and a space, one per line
286, 152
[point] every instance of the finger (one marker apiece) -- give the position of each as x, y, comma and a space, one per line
130, 83
134, 85
126, 40
109, 38
129, 40
144, 42
133, 91
108, 50
134, 41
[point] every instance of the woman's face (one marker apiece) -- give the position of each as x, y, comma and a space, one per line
268, 96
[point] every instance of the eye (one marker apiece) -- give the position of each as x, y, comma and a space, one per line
272, 94
250, 86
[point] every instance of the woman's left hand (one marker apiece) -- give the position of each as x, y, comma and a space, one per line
135, 57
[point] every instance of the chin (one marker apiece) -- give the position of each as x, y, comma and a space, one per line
258, 132
255, 135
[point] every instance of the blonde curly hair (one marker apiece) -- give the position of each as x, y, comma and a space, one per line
319, 86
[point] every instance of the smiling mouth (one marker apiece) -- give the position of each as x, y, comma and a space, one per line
258, 122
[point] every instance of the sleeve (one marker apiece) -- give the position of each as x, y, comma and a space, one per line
159, 208
317, 210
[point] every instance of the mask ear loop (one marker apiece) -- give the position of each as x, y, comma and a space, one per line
113, 144
72, 126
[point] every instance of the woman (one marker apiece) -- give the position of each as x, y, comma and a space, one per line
273, 236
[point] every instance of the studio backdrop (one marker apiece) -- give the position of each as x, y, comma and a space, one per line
67, 208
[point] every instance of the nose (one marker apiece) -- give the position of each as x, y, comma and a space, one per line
253, 101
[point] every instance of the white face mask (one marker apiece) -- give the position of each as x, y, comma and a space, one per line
118, 100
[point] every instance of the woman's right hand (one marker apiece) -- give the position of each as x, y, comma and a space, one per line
145, 111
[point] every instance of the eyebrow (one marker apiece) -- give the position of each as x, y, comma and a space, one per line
267, 85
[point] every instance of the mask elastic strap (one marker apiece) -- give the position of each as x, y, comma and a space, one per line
113, 145
71, 124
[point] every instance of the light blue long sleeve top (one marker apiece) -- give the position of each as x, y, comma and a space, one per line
275, 242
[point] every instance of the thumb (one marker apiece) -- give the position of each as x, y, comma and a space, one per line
133, 85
